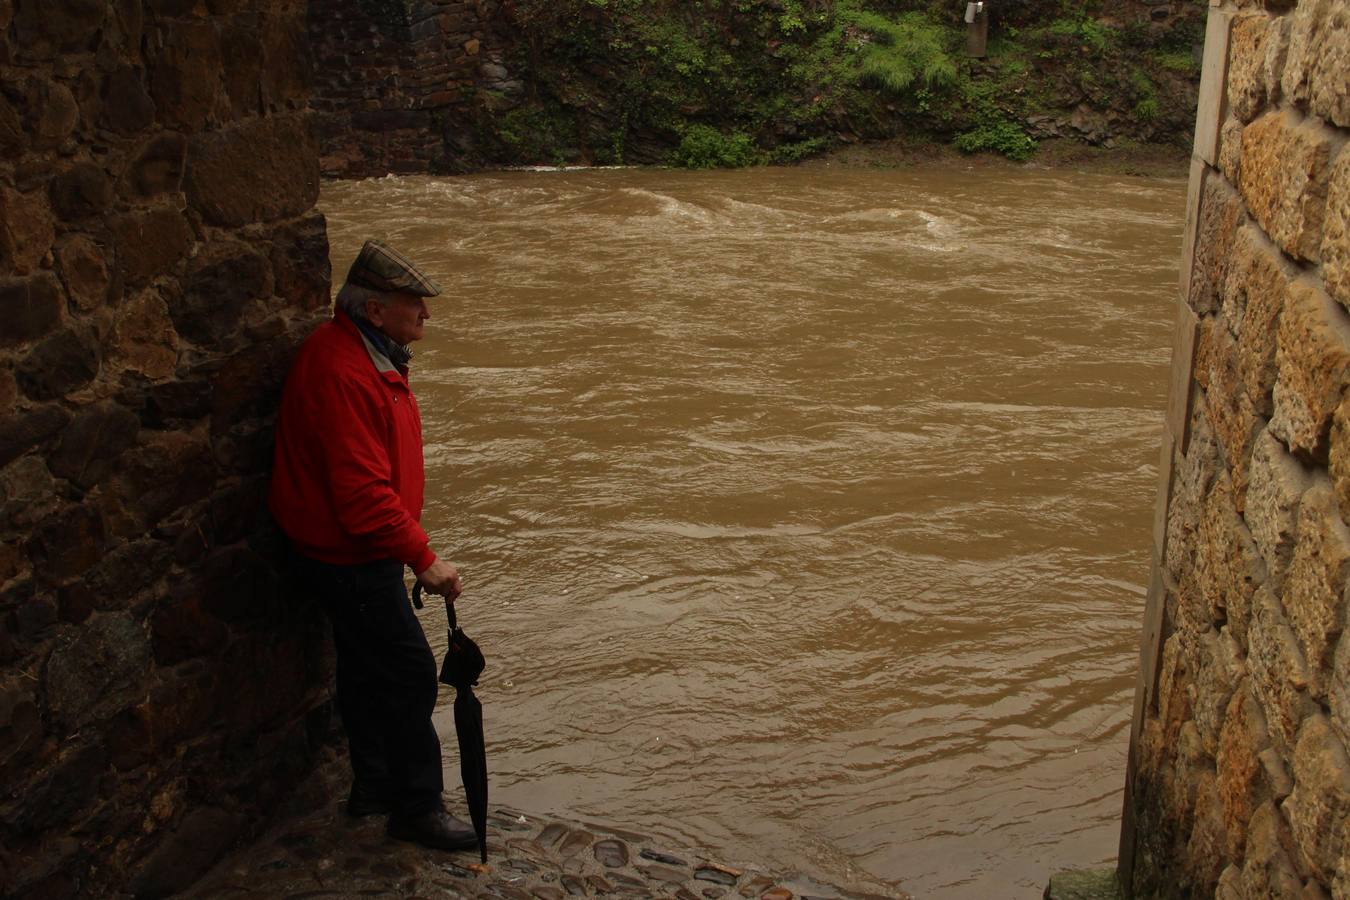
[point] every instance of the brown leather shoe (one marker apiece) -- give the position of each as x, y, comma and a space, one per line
436, 829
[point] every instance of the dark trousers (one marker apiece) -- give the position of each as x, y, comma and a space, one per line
386, 680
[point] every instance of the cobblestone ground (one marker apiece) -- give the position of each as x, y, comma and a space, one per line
316, 851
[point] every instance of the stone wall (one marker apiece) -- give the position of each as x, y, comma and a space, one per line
396, 83
1239, 779
159, 260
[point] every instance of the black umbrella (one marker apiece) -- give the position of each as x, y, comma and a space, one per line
461, 668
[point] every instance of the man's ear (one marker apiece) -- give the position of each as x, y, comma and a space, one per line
375, 313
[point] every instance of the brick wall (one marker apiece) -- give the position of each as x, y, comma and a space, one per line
159, 261
1239, 778
396, 83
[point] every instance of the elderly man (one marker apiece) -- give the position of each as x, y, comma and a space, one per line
347, 490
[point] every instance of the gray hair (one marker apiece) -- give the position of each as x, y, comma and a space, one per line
352, 300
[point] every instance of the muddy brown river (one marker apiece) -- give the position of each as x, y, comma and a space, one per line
803, 513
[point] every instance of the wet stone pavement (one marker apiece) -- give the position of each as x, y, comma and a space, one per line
317, 851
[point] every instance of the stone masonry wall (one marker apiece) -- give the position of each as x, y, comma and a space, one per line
1239, 774
396, 83
159, 260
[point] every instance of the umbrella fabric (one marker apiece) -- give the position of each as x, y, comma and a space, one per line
462, 665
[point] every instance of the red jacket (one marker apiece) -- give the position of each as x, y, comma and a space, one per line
347, 479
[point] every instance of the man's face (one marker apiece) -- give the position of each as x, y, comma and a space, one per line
402, 319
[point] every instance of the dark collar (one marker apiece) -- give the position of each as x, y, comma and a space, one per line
398, 355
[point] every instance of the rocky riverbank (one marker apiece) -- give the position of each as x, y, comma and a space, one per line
315, 850
1123, 158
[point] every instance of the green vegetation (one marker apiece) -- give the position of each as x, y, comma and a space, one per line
706, 83
898, 54
1177, 60
1091, 34
704, 147
1000, 137
1146, 107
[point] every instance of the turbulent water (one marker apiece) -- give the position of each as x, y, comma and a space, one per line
803, 513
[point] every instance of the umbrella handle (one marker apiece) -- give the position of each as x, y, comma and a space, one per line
449, 605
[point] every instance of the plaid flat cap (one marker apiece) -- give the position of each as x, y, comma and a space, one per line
382, 268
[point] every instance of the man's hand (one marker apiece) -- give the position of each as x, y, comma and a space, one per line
441, 578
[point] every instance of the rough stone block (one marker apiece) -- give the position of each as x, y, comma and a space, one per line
1211, 343
126, 107
1254, 296
84, 271
101, 672
1247, 87
1268, 870
45, 28
1336, 235
188, 852
1285, 175
219, 284
186, 63
165, 472
32, 308
1313, 360
1206, 851
1220, 666
248, 386
67, 785
157, 168
150, 243
1175, 673
1278, 782
1194, 188
1278, 482
1230, 410
66, 543
20, 725
82, 191
1230, 885
50, 113
243, 65
23, 431
302, 274
181, 629
1191, 771
1319, 807
9, 392
1338, 691
1280, 677
1315, 589
261, 170
13, 134
1319, 57
1230, 150
1220, 215
63, 363
26, 231
1196, 472
144, 340
1229, 565
90, 445
1238, 767
288, 62
183, 704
